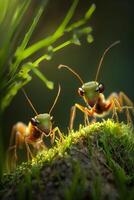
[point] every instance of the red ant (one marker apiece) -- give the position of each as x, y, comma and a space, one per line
96, 103
39, 127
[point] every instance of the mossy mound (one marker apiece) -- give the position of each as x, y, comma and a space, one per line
96, 162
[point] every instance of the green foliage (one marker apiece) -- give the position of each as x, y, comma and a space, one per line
78, 184
15, 67
119, 151
114, 141
120, 147
96, 188
22, 192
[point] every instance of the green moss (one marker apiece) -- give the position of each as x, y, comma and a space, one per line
95, 162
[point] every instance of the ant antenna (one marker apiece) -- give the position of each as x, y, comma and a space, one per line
77, 75
29, 101
102, 58
56, 98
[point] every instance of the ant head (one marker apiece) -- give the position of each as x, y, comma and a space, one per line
91, 90
43, 122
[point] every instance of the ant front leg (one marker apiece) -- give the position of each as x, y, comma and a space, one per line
86, 112
52, 135
29, 153
39, 146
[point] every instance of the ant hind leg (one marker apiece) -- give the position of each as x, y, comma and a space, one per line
129, 106
86, 112
114, 103
12, 150
119, 103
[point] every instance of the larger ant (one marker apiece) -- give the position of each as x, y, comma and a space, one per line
39, 127
92, 93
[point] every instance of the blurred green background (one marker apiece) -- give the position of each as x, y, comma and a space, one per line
112, 20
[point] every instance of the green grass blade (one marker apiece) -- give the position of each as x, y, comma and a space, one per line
47, 56
3, 9
51, 39
20, 49
21, 78
29, 33
67, 19
41, 76
90, 11
16, 13
83, 20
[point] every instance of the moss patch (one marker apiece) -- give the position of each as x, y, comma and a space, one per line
96, 162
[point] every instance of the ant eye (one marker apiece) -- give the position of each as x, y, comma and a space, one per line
51, 118
81, 92
100, 88
34, 121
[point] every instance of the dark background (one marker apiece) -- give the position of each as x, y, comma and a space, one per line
112, 20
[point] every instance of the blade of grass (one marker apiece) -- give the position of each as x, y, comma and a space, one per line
83, 20
67, 19
21, 78
41, 76
17, 16
3, 10
45, 56
20, 49
49, 40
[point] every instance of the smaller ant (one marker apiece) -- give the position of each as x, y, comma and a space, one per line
96, 104
39, 127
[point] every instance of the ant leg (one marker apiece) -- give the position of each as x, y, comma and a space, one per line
13, 142
39, 146
19, 127
123, 98
29, 153
86, 120
117, 104
129, 119
114, 103
42, 146
85, 110
93, 120
11, 158
53, 134
12, 150
72, 117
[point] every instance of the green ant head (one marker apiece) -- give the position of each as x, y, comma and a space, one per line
90, 91
42, 122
